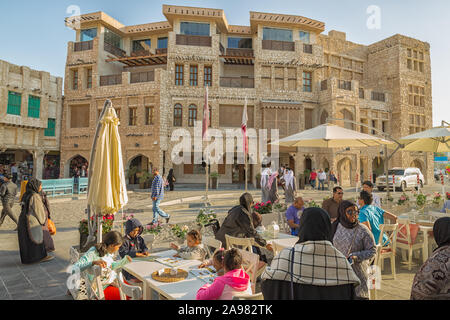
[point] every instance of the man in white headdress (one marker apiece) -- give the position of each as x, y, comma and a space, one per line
265, 175
290, 186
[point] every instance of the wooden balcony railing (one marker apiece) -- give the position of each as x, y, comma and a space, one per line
189, 40
237, 82
278, 45
114, 50
111, 80
161, 51
138, 77
83, 46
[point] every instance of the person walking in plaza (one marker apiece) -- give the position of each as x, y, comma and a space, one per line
373, 217
273, 188
8, 192
32, 219
293, 215
158, 196
290, 186
331, 180
312, 178
331, 205
356, 242
171, 179
265, 175
48, 240
313, 269
432, 281
368, 187
322, 176
14, 172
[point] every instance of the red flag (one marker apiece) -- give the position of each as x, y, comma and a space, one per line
205, 116
244, 127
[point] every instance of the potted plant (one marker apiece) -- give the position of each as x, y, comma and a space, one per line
214, 180
437, 199
131, 174
421, 201
144, 177
107, 225
312, 204
403, 200
258, 181
180, 232
263, 207
151, 230
205, 216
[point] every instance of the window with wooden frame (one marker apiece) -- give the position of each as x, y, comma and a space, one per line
132, 112
75, 79
208, 76
415, 60
89, 78
307, 80
51, 125
179, 74
193, 81
178, 115
14, 103
149, 113
192, 115
34, 107
416, 96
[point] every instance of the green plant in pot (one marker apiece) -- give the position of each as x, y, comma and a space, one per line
131, 174
214, 180
144, 178
83, 228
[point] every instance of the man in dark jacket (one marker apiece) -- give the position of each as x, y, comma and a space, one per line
239, 223
8, 192
133, 244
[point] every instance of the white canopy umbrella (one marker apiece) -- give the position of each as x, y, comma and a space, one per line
432, 140
331, 136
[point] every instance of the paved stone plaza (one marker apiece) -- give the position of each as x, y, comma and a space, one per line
46, 281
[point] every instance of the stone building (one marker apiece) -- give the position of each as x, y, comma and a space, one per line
293, 76
30, 120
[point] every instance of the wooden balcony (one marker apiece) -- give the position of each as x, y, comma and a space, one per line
83, 46
188, 40
278, 45
110, 80
238, 56
139, 77
114, 50
237, 82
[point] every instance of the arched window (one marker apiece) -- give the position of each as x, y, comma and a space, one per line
178, 116
192, 115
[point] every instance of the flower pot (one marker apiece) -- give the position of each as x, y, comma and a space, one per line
83, 239
214, 183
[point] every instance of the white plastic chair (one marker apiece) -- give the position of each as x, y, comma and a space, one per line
406, 243
208, 243
94, 287
386, 249
126, 290
256, 296
250, 262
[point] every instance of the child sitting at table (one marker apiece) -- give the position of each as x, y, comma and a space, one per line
235, 281
216, 262
133, 244
194, 249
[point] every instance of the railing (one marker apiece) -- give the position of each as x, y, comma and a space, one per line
114, 50
140, 53
324, 85
233, 52
189, 40
308, 48
83, 46
58, 187
278, 45
345, 85
161, 51
138, 77
237, 82
111, 80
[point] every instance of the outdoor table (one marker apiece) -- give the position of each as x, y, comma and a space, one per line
283, 240
182, 290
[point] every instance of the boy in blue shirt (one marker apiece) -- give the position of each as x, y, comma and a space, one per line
292, 215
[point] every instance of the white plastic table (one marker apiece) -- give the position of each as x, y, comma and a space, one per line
182, 290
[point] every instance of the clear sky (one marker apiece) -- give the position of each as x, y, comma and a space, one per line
33, 33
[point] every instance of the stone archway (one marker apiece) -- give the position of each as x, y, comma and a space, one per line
325, 165
345, 169
416, 163
76, 162
378, 166
138, 164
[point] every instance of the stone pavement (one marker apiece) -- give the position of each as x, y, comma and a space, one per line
46, 281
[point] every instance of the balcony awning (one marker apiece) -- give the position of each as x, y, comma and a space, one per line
147, 60
238, 56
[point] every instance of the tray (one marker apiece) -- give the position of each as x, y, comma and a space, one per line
167, 277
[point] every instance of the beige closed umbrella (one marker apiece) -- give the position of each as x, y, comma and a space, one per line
107, 192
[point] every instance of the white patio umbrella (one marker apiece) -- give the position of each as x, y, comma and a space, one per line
433, 140
107, 192
330, 136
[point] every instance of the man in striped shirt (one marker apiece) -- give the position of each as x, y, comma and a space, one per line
157, 196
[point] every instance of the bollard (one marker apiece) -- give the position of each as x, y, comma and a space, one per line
393, 183
418, 183
443, 185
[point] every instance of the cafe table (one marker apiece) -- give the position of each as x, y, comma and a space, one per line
181, 290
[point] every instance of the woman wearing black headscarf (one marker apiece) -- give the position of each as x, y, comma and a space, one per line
355, 241
432, 282
31, 221
313, 269
171, 179
239, 223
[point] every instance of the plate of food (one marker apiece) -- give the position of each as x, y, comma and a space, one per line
170, 275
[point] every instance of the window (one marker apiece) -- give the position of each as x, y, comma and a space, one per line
113, 39
210, 116
307, 82
277, 34
240, 43
149, 116
50, 131
305, 37
374, 125
384, 126
178, 116
133, 116
361, 93
88, 34
193, 81
75, 79
378, 96
179, 71
14, 103
192, 115
34, 107
208, 76
79, 116
89, 78
194, 28
162, 43
416, 96
415, 60
142, 45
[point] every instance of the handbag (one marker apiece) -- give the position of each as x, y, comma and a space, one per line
51, 227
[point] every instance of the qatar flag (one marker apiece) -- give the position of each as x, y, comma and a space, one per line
205, 116
244, 127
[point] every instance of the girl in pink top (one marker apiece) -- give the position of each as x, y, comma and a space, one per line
234, 281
